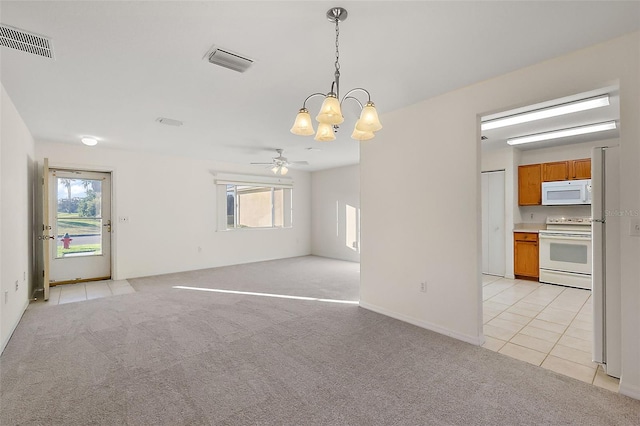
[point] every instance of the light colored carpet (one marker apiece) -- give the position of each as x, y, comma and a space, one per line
166, 356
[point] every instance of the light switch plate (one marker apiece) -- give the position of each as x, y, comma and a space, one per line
634, 227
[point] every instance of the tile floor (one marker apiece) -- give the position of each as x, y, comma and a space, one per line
69, 293
545, 325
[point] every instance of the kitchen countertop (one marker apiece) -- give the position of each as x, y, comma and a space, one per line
529, 227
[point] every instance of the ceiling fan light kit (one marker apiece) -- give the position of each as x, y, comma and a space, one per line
330, 116
280, 165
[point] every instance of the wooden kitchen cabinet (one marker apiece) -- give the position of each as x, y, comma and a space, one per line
566, 170
530, 185
525, 256
558, 170
581, 169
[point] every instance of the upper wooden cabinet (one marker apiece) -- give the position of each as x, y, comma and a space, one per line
530, 185
566, 170
558, 170
580, 169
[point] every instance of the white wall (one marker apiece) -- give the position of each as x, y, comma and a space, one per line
16, 232
439, 240
171, 206
331, 192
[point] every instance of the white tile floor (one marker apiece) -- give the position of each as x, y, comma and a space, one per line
545, 325
69, 293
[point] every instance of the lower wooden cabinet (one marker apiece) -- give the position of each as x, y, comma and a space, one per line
525, 257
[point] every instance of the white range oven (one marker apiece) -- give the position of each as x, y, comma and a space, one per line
565, 252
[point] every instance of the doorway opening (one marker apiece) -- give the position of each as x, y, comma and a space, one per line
525, 317
80, 219
76, 231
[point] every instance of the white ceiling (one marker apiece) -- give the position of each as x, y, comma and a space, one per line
120, 65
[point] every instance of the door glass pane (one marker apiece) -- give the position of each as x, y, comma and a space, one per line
570, 253
79, 217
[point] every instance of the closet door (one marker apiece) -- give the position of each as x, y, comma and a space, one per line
493, 227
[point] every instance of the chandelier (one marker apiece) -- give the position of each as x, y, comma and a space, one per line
330, 115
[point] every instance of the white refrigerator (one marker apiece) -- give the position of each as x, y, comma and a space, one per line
605, 214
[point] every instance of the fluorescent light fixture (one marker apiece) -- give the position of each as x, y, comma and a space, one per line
554, 111
89, 141
563, 133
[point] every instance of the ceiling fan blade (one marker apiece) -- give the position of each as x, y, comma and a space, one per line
300, 163
262, 164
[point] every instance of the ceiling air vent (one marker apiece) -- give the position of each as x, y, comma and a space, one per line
35, 44
169, 121
228, 59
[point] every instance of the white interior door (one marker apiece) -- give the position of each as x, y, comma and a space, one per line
80, 218
493, 226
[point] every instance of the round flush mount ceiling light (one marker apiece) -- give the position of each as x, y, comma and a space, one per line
89, 141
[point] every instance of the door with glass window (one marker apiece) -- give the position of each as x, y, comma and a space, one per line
80, 220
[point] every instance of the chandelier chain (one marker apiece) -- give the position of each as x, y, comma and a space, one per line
337, 64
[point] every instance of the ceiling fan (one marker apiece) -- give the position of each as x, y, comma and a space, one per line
280, 164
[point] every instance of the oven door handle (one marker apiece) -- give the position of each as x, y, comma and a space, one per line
573, 237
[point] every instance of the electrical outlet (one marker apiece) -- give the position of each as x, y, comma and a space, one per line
423, 287
16, 285
531, 215
634, 227
24, 275
6, 296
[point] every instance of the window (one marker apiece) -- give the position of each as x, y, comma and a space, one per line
254, 205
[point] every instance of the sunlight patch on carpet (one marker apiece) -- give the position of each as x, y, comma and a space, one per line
280, 296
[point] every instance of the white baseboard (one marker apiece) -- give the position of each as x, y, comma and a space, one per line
632, 391
13, 328
474, 340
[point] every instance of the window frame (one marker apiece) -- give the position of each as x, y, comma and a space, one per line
223, 181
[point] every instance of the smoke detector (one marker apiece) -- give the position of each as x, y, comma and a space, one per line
15, 38
228, 59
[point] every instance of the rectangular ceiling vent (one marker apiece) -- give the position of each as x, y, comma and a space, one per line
25, 41
228, 59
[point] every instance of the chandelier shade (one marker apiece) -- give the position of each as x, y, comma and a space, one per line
330, 116
369, 121
325, 133
361, 135
330, 112
303, 125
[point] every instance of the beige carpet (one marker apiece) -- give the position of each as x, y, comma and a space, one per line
176, 356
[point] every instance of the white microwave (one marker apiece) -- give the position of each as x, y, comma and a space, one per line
566, 192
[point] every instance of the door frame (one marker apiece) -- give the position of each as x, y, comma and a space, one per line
38, 226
